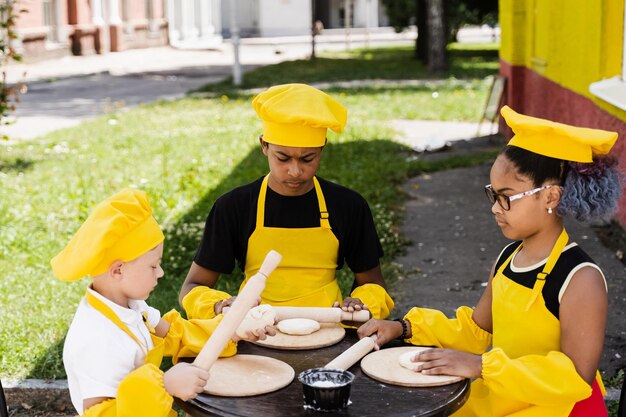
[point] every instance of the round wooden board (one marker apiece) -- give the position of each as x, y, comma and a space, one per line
327, 335
246, 375
383, 366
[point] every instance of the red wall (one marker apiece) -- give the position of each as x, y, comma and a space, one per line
529, 93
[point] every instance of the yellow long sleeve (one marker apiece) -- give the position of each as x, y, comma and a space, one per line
199, 303
186, 338
376, 298
545, 380
433, 328
141, 393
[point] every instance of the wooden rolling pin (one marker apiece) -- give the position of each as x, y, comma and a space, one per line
353, 354
246, 299
321, 314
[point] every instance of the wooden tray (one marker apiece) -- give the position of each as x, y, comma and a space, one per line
246, 375
383, 366
327, 335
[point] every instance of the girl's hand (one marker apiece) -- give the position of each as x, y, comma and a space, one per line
385, 330
261, 334
185, 381
351, 304
449, 362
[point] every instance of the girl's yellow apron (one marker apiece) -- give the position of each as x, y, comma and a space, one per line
522, 326
306, 274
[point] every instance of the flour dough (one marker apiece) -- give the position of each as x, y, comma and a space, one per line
405, 360
298, 326
256, 319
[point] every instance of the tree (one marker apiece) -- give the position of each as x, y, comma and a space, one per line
9, 95
456, 14
435, 23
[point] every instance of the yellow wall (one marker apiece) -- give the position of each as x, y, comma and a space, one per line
571, 42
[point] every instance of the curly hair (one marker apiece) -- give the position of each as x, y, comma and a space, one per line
590, 190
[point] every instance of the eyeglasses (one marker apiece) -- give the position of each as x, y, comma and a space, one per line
504, 200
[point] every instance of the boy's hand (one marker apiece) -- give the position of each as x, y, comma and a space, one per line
449, 362
385, 330
219, 306
351, 305
185, 381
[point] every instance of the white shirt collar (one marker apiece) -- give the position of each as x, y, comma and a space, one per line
127, 315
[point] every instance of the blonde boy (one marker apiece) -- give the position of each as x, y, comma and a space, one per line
116, 341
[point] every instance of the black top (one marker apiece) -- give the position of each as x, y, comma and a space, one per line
233, 219
570, 258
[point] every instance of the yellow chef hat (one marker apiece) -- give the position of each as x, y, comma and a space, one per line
120, 228
298, 115
557, 140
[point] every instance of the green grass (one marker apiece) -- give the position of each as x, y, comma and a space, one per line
184, 154
397, 63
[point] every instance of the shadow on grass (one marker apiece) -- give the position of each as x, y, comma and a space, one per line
15, 165
377, 169
364, 64
50, 364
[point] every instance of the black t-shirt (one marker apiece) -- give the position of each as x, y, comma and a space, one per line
233, 219
571, 257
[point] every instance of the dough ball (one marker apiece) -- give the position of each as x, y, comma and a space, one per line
298, 326
256, 319
405, 360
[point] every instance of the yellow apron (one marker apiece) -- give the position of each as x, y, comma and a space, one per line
544, 382
124, 405
306, 274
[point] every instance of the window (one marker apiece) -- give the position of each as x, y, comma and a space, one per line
50, 19
613, 90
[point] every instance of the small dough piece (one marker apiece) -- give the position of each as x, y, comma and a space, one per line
406, 362
256, 319
298, 327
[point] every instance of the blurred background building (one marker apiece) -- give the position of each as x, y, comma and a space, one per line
567, 64
51, 28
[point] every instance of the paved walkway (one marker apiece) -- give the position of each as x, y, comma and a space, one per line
65, 91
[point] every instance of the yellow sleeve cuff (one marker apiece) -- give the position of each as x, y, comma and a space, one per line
547, 380
378, 301
199, 303
107, 408
142, 393
433, 328
186, 338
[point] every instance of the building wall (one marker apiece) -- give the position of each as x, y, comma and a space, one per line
284, 17
247, 18
365, 14
552, 51
195, 24
36, 37
85, 27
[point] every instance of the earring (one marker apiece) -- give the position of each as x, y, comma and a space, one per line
549, 210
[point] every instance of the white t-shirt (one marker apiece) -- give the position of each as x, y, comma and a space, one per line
98, 355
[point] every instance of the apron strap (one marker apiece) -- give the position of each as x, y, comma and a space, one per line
324, 223
558, 247
260, 207
106, 311
260, 204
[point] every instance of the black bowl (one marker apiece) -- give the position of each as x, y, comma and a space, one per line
326, 389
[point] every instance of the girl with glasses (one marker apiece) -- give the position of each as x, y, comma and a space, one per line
534, 341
